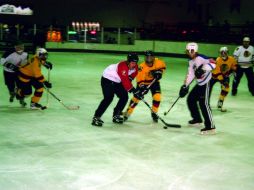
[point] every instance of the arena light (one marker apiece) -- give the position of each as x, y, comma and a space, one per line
13, 10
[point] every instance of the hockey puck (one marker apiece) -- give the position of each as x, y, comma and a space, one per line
165, 113
165, 127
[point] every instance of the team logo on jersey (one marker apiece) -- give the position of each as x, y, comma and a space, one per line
224, 68
124, 73
246, 54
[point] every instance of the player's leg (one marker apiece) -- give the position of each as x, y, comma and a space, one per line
122, 94
38, 86
192, 102
212, 83
250, 78
224, 92
108, 95
133, 103
204, 92
156, 93
237, 78
9, 79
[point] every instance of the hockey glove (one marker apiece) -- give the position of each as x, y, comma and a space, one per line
157, 74
48, 65
199, 72
183, 91
137, 93
47, 84
143, 88
11, 67
130, 78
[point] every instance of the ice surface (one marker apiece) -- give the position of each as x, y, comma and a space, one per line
58, 149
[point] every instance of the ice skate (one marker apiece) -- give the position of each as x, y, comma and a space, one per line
154, 117
97, 122
220, 106
12, 96
118, 119
208, 131
22, 103
125, 116
36, 106
195, 123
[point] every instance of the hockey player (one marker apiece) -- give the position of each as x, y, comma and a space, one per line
11, 62
244, 55
152, 68
30, 75
116, 79
200, 68
225, 65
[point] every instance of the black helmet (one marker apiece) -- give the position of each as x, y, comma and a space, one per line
149, 53
132, 57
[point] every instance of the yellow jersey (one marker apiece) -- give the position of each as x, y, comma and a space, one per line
145, 72
224, 67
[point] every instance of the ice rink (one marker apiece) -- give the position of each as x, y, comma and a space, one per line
58, 149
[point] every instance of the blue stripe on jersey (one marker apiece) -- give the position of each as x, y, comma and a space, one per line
204, 78
210, 66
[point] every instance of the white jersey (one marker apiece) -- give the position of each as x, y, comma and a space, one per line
208, 66
244, 56
111, 73
15, 59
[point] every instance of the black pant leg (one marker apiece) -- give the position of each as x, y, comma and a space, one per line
10, 81
237, 78
204, 94
108, 95
212, 83
122, 94
250, 77
192, 102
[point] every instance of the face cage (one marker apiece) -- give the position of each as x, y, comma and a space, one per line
43, 56
224, 55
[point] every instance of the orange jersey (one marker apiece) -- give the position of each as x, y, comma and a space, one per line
224, 68
145, 72
31, 70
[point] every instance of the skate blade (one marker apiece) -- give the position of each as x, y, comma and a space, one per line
195, 125
208, 132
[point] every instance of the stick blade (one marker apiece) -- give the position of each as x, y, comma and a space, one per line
172, 125
72, 107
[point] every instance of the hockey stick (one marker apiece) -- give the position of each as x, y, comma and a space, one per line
67, 107
47, 99
166, 112
148, 87
166, 124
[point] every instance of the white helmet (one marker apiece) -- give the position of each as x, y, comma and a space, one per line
224, 52
225, 49
246, 39
192, 47
42, 53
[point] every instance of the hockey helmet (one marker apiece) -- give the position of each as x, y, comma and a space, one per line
149, 57
132, 57
246, 39
192, 47
224, 52
149, 53
42, 53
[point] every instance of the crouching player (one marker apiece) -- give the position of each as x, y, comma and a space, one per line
225, 65
115, 80
149, 70
30, 75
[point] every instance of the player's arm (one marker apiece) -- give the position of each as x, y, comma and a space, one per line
122, 72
